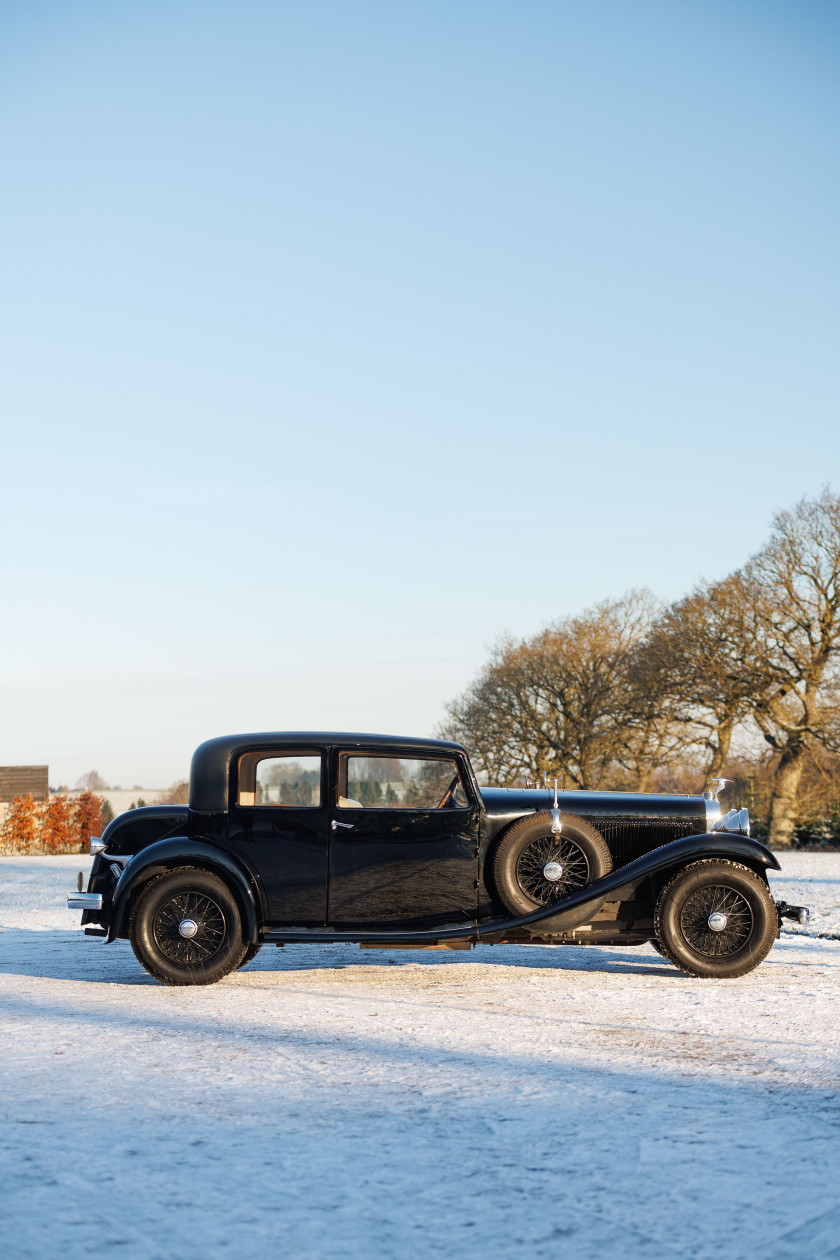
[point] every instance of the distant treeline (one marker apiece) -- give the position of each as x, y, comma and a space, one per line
57, 825
740, 678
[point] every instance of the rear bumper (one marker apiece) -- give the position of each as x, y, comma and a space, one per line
84, 901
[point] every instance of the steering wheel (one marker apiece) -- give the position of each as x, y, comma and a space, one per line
447, 796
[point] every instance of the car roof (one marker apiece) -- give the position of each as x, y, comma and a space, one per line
211, 760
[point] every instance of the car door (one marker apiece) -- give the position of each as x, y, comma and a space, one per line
403, 841
279, 822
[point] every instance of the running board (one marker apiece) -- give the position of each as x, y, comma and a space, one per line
379, 940
431, 945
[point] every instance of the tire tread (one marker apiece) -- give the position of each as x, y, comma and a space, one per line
706, 973
142, 954
507, 851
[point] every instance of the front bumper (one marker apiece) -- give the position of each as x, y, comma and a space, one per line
84, 901
799, 914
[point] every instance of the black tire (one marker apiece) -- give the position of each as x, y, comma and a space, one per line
525, 849
726, 888
187, 893
250, 952
660, 949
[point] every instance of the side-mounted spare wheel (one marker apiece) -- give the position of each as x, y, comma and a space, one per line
531, 867
186, 928
716, 918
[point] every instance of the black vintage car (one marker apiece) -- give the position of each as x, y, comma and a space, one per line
389, 842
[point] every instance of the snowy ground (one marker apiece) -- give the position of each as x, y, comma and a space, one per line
326, 1102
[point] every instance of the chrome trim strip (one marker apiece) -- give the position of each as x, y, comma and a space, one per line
84, 901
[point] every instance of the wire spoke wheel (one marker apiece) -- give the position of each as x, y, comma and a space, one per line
189, 928
716, 904
533, 868
186, 927
716, 919
547, 851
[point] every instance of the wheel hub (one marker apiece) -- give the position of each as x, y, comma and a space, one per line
716, 920
190, 928
549, 868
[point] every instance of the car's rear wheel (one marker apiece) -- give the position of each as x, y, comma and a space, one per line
186, 929
532, 867
716, 919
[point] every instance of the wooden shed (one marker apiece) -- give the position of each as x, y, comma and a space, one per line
21, 780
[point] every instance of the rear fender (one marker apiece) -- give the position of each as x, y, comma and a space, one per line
181, 851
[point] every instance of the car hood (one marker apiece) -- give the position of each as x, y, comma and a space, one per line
508, 802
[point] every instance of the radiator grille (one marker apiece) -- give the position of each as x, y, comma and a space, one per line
629, 838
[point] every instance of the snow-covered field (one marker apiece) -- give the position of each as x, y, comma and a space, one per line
327, 1102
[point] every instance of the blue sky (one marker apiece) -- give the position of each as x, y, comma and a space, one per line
340, 338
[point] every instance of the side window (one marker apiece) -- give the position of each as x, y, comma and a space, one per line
280, 779
399, 783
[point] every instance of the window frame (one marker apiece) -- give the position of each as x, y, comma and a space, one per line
401, 755
256, 755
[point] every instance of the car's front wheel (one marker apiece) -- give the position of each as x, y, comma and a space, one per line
250, 952
185, 928
716, 919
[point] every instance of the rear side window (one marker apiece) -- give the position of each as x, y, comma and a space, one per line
287, 779
399, 783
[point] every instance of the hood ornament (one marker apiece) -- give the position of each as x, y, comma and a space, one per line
713, 786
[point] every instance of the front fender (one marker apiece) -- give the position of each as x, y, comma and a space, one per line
715, 844
174, 851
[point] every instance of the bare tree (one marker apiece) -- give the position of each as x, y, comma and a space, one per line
91, 782
563, 704
651, 730
794, 586
178, 794
702, 663
615, 696
818, 798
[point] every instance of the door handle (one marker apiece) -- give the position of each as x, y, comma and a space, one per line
335, 825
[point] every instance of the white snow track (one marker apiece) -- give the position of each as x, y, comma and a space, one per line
328, 1103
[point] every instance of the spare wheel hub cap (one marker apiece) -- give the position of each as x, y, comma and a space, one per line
188, 928
717, 921
553, 871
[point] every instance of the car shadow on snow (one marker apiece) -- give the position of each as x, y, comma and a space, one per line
641, 960
57, 955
